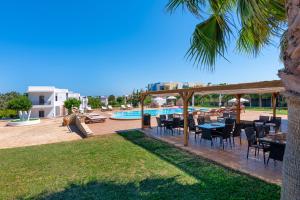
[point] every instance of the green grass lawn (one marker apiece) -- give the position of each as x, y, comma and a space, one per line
278, 111
124, 166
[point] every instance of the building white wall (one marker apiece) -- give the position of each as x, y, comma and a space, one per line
35, 96
54, 99
49, 112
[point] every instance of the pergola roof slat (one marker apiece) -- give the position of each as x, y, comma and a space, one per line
274, 86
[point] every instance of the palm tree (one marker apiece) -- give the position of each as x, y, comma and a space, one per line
253, 24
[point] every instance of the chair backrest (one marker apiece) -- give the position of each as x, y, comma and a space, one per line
176, 122
250, 133
221, 119
201, 120
260, 131
264, 118
170, 116
207, 119
277, 121
277, 151
158, 120
191, 124
226, 115
237, 130
227, 130
162, 117
229, 121
233, 115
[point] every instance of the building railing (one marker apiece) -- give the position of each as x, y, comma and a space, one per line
41, 103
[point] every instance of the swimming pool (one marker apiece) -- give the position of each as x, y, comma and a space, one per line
136, 114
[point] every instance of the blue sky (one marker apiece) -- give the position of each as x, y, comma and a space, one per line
98, 47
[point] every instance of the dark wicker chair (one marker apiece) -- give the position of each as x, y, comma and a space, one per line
201, 120
160, 125
251, 138
277, 121
237, 133
170, 116
194, 128
276, 152
225, 134
264, 119
176, 124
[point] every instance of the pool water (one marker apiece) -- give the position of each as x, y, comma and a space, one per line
136, 114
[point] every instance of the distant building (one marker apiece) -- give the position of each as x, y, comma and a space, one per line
104, 100
48, 101
172, 85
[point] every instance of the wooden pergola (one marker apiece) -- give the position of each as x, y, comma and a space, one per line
265, 87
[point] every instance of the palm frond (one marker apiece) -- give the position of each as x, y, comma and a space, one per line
209, 41
283, 45
194, 6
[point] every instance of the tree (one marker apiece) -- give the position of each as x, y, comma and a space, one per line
94, 102
120, 100
20, 103
72, 102
5, 98
111, 100
258, 22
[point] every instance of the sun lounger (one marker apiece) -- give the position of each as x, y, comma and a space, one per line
110, 108
103, 108
123, 107
94, 118
129, 107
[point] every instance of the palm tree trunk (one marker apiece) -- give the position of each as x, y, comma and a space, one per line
291, 163
290, 76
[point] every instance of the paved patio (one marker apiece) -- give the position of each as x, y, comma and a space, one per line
48, 131
234, 158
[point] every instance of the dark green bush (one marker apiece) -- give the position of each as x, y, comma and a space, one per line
72, 102
8, 114
19, 103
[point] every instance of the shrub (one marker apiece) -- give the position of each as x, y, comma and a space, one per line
72, 102
19, 103
5, 98
8, 114
94, 102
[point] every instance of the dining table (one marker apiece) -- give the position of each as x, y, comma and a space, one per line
278, 138
212, 126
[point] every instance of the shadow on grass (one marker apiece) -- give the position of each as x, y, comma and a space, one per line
146, 189
210, 181
220, 182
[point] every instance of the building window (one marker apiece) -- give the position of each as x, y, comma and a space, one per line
41, 100
55, 97
41, 113
67, 95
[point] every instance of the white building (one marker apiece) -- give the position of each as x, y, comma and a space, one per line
48, 101
104, 100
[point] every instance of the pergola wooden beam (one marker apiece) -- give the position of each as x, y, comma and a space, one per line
241, 88
273, 87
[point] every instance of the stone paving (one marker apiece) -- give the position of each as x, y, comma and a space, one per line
48, 131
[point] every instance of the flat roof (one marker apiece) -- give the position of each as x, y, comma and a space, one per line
262, 87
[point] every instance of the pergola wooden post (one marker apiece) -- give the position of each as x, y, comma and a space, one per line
186, 97
142, 110
240, 89
238, 108
274, 96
